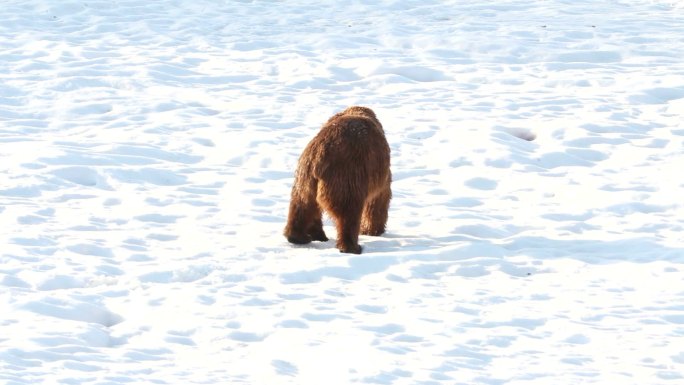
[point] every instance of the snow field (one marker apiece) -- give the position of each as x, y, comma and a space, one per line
535, 234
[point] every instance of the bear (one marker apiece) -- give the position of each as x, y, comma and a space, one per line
345, 172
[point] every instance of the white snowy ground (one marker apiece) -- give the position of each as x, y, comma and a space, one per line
147, 158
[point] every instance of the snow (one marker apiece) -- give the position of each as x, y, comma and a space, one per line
535, 235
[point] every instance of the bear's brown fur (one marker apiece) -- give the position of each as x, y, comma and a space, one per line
344, 171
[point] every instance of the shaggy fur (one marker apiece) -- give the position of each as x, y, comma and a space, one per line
344, 171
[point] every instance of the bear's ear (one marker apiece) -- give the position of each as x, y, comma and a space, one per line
370, 113
360, 111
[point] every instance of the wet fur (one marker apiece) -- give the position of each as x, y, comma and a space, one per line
344, 171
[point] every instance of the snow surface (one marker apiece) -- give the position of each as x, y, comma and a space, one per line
535, 235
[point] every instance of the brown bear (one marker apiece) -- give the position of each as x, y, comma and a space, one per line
344, 171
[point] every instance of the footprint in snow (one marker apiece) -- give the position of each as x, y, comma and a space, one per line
154, 155
246, 336
60, 282
149, 176
285, 368
8, 280
92, 109
91, 249
158, 218
187, 274
482, 183
293, 324
384, 330
375, 309
74, 310
660, 95
141, 355
204, 142
84, 176
180, 338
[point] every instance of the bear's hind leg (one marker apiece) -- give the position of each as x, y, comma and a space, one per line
300, 219
316, 229
375, 214
295, 235
345, 207
348, 232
